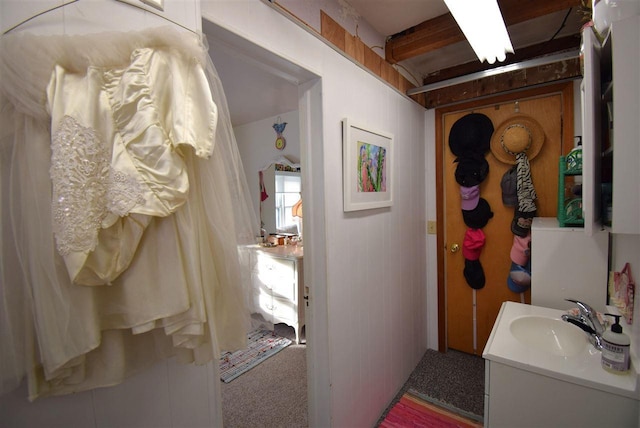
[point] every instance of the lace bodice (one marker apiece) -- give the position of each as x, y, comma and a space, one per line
117, 141
86, 188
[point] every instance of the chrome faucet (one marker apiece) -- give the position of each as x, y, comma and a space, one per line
588, 321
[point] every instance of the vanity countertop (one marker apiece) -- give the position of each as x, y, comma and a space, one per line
286, 251
583, 368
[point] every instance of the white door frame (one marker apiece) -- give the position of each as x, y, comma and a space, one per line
312, 165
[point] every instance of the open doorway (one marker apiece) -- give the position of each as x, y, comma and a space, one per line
263, 91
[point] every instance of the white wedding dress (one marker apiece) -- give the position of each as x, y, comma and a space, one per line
123, 204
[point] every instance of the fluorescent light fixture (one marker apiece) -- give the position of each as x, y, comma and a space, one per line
483, 26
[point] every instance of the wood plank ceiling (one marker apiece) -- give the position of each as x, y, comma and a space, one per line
436, 35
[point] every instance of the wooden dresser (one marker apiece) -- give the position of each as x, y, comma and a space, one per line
278, 285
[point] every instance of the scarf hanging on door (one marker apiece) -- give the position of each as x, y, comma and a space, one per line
521, 224
517, 141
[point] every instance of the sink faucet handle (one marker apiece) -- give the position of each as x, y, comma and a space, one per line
590, 313
578, 323
584, 308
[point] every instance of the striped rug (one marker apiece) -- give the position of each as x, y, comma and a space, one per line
413, 411
262, 344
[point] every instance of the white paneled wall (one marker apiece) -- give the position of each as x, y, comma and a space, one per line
375, 259
375, 311
257, 150
432, 241
376, 274
626, 249
168, 394
338, 11
89, 16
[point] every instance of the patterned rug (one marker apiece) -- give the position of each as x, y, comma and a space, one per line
413, 410
262, 344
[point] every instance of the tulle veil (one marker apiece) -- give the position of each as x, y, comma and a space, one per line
41, 312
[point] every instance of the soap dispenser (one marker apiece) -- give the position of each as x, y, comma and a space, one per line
615, 348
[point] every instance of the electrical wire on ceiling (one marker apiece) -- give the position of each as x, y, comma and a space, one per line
503, 69
415, 79
564, 23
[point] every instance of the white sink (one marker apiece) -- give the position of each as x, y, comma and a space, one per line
550, 335
535, 339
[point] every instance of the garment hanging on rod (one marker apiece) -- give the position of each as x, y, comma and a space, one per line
44, 12
204, 233
37, 15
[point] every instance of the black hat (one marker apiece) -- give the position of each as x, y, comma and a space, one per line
471, 171
478, 217
509, 185
474, 274
471, 134
521, 223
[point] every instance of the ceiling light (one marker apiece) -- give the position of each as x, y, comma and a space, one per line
483, 26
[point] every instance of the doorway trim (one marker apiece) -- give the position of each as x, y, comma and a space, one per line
312, 163
314, 235
566, 88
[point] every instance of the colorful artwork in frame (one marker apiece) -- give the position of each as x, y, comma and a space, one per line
367, 167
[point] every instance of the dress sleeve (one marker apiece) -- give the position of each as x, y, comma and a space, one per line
184, 102
160, 102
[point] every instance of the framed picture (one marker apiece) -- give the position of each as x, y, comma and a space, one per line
367, 167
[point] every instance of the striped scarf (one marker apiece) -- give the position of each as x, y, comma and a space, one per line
526, 191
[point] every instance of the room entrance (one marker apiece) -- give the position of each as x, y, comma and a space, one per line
305, 87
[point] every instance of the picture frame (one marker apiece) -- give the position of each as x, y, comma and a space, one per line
367, 167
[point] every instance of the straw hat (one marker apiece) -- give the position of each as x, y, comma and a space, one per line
519, 133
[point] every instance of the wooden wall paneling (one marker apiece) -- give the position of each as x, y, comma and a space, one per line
332, 31
373, 61
356, 49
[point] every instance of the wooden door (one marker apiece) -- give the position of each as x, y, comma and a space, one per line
470, 314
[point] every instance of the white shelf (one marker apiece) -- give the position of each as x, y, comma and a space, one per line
621, 52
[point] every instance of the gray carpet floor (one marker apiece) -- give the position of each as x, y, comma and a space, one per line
452, 378
274, 393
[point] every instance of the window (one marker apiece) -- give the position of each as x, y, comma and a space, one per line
288, 192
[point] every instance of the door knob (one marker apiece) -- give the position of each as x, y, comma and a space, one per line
455, 248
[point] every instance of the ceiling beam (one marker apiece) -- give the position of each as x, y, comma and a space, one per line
451, 92
550, 47
443, 30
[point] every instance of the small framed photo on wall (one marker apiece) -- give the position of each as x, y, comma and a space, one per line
367, 167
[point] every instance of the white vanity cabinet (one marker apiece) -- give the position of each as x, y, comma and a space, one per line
278, 285
542, 372
520, 398
611, 128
